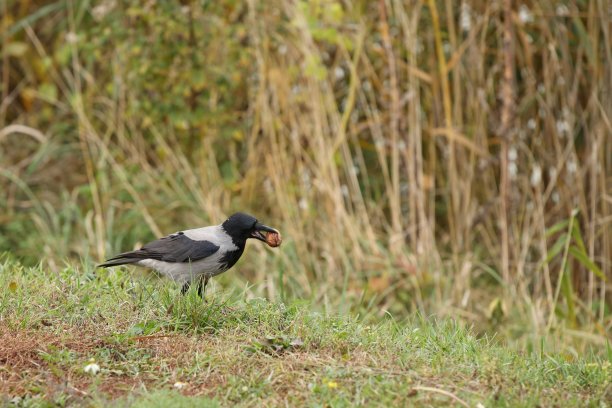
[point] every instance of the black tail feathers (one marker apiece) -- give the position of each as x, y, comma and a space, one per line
122, 259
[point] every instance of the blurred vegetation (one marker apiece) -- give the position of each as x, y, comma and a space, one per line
452, 158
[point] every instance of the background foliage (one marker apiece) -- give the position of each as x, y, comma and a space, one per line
446, 157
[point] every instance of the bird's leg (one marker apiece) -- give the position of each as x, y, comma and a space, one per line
202, 290
185, 287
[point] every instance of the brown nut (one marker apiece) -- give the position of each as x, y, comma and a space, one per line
273, 239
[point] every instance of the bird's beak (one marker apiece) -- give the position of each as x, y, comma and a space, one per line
258, 231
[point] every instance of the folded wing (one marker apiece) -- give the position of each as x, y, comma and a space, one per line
173, 248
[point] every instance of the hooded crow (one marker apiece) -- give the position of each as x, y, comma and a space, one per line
198, 254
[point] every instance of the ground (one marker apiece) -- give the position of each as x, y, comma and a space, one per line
154, 347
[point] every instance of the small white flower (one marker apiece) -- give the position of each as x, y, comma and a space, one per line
512, 169
92, 368
479, 405
563, 127
465, 18
446, 47
303, 204
536, 175
562, 10
180, 385
531, 124
245, 388
344, 190
525, 15
552, 173
555, 197
338, 72
71, 38
571, 167
512, 154
100, 11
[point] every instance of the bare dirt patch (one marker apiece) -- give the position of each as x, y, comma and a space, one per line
24, 370
20, 349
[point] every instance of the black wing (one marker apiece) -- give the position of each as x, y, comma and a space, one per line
173, 248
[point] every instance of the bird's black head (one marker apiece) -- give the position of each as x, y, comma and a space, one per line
241, 226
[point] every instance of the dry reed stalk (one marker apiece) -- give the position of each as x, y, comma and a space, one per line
506, 135
453, 214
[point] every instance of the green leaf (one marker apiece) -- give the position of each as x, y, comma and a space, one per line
315, 69
561, 225
334, 13
557, 247
568, 293
143, 328
48, 91
577, 236
585, 40
584, 259
62, 54
30, 19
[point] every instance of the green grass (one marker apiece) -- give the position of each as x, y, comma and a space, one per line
230, 350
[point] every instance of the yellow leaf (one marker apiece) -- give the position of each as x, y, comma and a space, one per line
379, 284
27, 98
16, 49
12, 286
496, 310
238, 135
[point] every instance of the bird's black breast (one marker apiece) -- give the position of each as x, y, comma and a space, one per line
230, 258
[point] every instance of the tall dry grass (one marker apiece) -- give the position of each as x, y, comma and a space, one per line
437, 156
